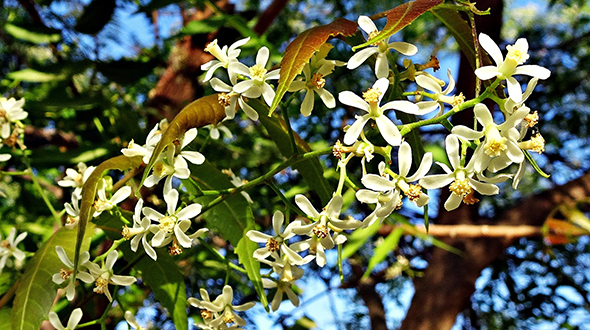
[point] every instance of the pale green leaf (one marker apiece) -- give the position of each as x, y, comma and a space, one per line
34, 34
380, 253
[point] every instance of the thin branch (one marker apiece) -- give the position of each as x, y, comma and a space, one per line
474, 231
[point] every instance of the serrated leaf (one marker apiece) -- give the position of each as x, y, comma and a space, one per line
399, 17
33, 33
207, 25
199, 113
358, 238
232, 219
311, 169
36, 291
380, 253
300, 50
461, 31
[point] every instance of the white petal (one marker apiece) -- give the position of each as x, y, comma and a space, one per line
428, 83
305, 206
123, 280
193, 156
307, 104
189, 212
258, 237
262, 56
492, 48
484, 188
436, 181
452, 146
327, 98
453, 202
388, 130
424, 167
377, 182
487, 72
404, 159
403, 47
355, 129
75, 318
367, 196
277, 222
466, 133
359, 58
367, 24
381, 68
533, 71
514, 89
350, 98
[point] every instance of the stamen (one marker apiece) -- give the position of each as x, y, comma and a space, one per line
495, 147
167, 224
460, 187
65, 273
337, 151
321, 231
414, 192
470, 199
206, 314
532, 119
318, 81
272, 245
371, 95
224, 99
257, 72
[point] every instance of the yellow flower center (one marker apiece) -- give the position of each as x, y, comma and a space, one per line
531, 119
101, 285
321, 231
495, 147
338, 149
461, 187
373, 35
162, 169
318, 81
272, 245
470, 199
5, 244
257, 72
372, 95
224, 99
538, 144
228, 317
517, 54
458, 99
125, 232
65, 273
414, 192
206, 314
167, 223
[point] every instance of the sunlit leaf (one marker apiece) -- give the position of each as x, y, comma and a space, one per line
207, 25
36, 291
32, 75
461, 31
399, 17
300, 50
5, 318
33, 33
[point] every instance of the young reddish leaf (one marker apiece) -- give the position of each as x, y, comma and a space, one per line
561, 231
199, 113
89, 190
399, 17
300, 50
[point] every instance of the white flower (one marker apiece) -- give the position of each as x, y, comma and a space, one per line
223, 304
510, 106
370, 104
168, 165
462, 183
73, 211
399, 182
5, 157
103, 203
73, 321
283, 287
172, 227
216, 129
499, 139
11, 111
511, 65
130, 318
276, 242
66, 273
256, 85
8, 248
319, 229
77, 178
230, 100
440, 97
381, 49
141, 227
224, 56
103, 276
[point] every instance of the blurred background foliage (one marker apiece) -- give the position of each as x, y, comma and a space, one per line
91, 71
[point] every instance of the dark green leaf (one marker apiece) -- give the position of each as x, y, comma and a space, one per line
95, 16
125, 71
210, 24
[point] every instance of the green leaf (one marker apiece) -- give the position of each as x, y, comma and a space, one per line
245, 251
33, 33
32, 75
207, 25
399, 17
460, 29
311, 169
380, 253
5, 318
358, 238
301, 49
36, 291
166, 280
126, 71
232, 219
